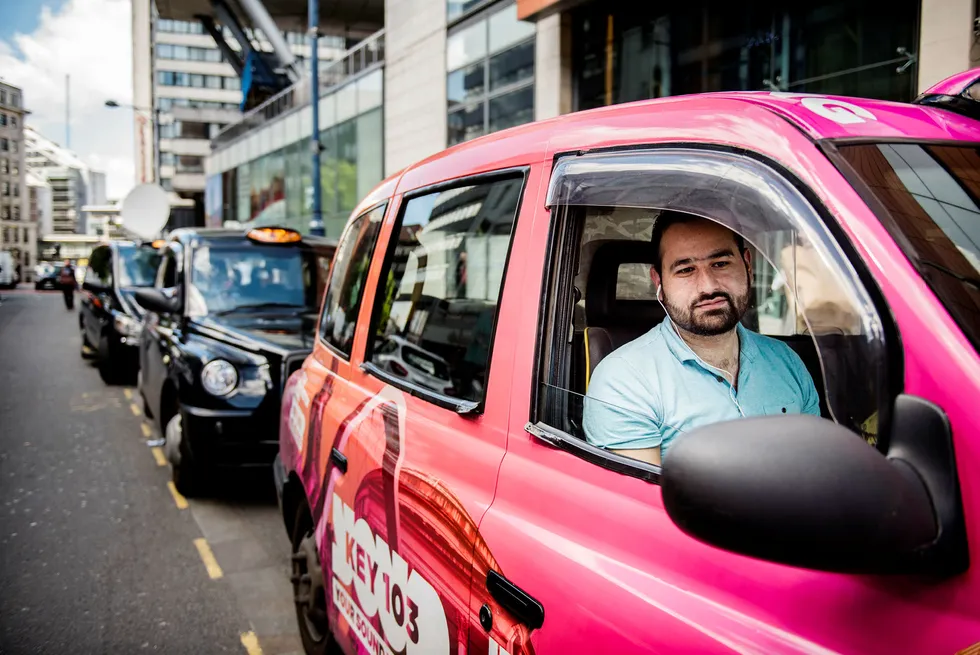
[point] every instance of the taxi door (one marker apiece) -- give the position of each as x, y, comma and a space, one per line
410, 414
159, 333
590, 554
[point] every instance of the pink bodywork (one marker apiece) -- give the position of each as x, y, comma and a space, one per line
596, 548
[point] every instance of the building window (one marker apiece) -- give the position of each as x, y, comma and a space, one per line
625, 52
167, 159
4, 166
15, 100
456, 8
5, 188
3, 119
3, 97
213, 82
232, 83
13, 121
490, 85
190, 164
4, 145
179, 27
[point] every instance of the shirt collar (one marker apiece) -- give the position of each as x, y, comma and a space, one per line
679, 348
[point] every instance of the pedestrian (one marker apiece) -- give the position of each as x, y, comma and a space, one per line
66, 279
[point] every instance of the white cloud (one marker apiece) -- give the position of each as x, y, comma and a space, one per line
90, 40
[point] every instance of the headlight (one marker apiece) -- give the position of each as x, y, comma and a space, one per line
127, 326
219, 377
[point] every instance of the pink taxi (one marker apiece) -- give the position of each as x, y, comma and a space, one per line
434, 473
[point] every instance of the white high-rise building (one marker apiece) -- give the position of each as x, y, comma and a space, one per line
67, 176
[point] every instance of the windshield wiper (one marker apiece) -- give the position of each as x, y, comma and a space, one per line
965, 279
261, 305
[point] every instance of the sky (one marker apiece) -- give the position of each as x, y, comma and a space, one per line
42, 41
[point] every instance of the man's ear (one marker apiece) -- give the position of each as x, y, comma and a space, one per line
747, 258
655, 277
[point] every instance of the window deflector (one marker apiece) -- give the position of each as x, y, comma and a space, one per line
745, 195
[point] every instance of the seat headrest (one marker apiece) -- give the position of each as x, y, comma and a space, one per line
601, 306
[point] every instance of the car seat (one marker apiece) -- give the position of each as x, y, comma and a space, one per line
612, 322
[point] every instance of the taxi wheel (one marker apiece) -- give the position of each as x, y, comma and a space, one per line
309, 596
109, 369
87, 351
185, 473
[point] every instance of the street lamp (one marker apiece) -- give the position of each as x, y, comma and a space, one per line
112, 104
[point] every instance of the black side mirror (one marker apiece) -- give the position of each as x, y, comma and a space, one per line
805, 491
155, 300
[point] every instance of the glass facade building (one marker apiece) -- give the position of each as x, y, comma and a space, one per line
626, 51
266, 176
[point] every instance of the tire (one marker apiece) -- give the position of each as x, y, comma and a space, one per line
307, 579
188, 476
109, 369
147, 412
86, 351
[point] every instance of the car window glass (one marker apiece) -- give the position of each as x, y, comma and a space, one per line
346, 286
244, 277
442, 286
803, 293
100, 267
137, 266
931, 196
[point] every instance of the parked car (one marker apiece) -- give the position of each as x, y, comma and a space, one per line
46, 276
230, 315
482, 518
109, 319
406, 360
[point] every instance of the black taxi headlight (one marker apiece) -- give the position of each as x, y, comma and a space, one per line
219, 377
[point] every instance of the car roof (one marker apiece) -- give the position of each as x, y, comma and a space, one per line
753, 119
186, 235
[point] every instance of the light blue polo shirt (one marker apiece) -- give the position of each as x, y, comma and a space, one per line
653, 389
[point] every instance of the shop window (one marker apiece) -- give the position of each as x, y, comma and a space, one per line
441, 287
491, 71
345, 289
824, 346
624, 51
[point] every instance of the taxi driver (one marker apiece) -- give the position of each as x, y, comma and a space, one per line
700, 365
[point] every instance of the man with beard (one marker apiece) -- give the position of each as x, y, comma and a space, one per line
700, 365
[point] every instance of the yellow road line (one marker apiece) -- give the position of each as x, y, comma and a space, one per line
178, 499
158, 456
251, 643
128, 393
135, 410
210, 563
147, 430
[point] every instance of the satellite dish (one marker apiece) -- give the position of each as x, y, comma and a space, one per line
145, 210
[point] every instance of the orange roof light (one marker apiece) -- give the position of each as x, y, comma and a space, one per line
159, 243
274, 235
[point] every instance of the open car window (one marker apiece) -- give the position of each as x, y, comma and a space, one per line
804, 292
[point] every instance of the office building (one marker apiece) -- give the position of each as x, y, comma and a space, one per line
18, 234
434, 73
180, 70
67, 176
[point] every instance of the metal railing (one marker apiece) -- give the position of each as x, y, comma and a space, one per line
366, 55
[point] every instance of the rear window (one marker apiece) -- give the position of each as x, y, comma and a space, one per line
930, 195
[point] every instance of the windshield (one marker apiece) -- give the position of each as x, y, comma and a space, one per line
137, 266
931, 196
242, 277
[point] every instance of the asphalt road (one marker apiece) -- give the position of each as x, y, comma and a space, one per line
97, 555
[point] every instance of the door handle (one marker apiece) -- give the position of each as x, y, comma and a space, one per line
515, 600
339, 459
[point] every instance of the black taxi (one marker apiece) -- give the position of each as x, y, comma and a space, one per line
109, 319
231, 314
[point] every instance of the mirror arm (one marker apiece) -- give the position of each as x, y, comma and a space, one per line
922, 443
